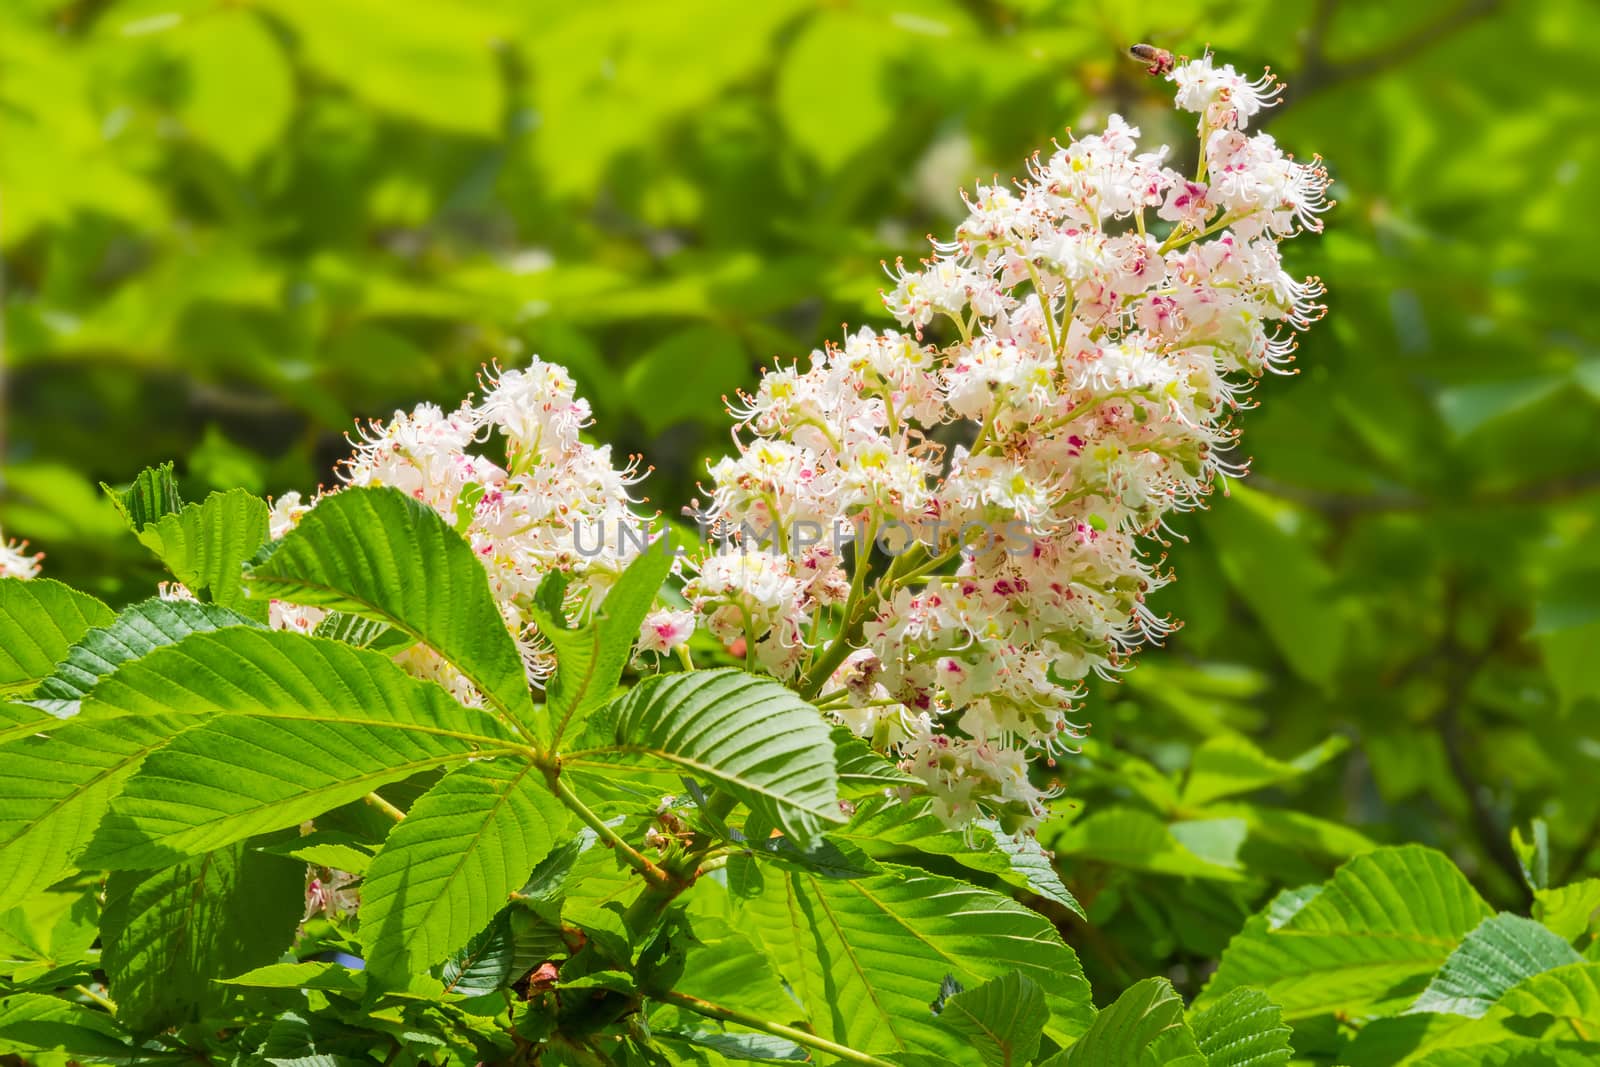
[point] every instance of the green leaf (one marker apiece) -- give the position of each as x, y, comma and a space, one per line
170, 933
324, 724
759, 1048
1569, 910
1465, 408
726, 967
319, 1040
865, 957
684, 376
55, 789
40, 619
206, 546
1002, 1019
362, 632
1363, 940
1228, 764
1533, 854
749, 735
514, 943
51, 928
421, 69
240, 86
1128, 837
1242, 1029
836, 117
1570, 993
317, 975
35, 1022
1406, 1039
449, 867
863, 772
590, 659
153, 494
889, 828
21, 720
138, 631
326, 848
1275, 568
1500, 952
381, 555
1513, 1052
1029, 867
1142, 1028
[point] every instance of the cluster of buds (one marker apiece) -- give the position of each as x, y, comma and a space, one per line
16, 561
1104, 318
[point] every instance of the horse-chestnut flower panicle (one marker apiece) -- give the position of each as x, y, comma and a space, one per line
1099, 322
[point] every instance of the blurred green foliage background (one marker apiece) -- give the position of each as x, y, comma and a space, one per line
231, 228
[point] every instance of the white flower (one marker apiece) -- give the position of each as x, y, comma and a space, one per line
1226, 97
16, 561
665, 629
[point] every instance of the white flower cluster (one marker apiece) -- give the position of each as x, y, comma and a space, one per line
16, 561
1105, 317
554, 503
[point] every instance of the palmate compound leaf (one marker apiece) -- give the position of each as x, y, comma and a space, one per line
748, 735
590, 658
169, 934
1144, 1027
1001, 1020
1368, 936
381, 555
448, 868
295, 726
40, 619
865, 957
1242, 1029
136, 632
1499, 952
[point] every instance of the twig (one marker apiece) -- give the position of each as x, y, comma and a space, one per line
90, 994
800, 1037
634, 858
384, 806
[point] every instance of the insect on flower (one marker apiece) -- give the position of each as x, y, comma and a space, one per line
1161, 61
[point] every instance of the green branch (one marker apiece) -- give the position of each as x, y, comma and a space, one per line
799, 1037
632, 856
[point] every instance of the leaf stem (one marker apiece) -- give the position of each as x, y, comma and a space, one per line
374, 800
822, 669
799, 1037
104, 1002
634, 858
